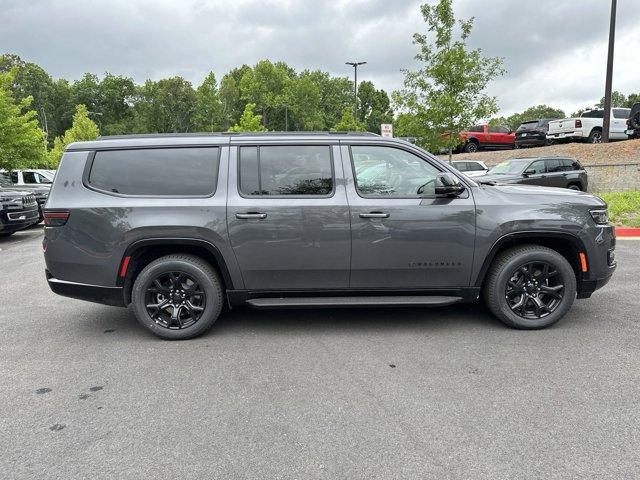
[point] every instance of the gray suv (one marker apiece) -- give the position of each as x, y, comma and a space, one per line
179, 226
544, 171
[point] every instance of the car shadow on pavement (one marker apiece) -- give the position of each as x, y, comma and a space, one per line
241, 320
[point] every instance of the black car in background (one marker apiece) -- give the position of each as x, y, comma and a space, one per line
18, 210
533, 133
41, 193
544, 171
633, 122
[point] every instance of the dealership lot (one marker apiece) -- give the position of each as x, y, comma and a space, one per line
397, 393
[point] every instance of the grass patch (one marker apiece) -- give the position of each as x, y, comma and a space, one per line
624, 208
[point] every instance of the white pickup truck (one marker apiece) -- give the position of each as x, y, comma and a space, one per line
589, 126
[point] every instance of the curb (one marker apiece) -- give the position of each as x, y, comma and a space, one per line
627, 232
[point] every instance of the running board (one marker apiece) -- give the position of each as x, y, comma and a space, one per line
337, 302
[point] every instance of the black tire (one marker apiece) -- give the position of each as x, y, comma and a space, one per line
574, 186
503, 271
6, 234
634, 121
193, 268
471, 147
595, 136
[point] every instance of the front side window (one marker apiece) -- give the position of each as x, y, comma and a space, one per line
29, 177
391, 172
554, 166
179, 172
474, 167
536, 167
285, 170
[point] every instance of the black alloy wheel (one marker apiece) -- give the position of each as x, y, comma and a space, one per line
175, 300
534, 290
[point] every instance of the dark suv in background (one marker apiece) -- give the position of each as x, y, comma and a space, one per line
533, 133
177, 226
543, 171
18, 210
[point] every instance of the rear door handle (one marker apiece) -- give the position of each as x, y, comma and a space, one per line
374, 215
251, 215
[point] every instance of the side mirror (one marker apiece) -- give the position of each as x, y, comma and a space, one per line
526, 173
447, 185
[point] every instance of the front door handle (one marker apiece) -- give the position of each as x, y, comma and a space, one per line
251, 215
374, 215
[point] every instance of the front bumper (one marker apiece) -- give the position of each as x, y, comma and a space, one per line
18, 219
600, 259
89, 293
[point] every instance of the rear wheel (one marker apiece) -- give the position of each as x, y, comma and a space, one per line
530, 287
6, 234
177, 297
471, 147
595, 136
574, 186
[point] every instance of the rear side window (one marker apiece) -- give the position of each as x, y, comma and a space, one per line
183, 172
621, 113
477, 128
554, 166
285, 170
474, 167
461, 166
570, 165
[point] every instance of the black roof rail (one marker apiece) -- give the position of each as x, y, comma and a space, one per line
234, 134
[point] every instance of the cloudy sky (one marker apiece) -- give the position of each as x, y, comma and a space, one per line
554, 50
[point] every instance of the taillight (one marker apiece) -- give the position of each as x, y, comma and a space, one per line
578, 123
55, 219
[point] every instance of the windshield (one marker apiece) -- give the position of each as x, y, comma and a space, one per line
509, 167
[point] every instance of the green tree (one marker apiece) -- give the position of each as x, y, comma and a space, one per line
264, 86
348, 123
632, 99
208, 115
447, 95
22, 142
82, 129
532, 113
249, 121
617, 100
165, 106
374, 107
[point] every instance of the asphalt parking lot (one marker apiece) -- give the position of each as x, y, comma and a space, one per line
406, 393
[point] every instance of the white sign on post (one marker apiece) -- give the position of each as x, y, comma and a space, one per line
386, 129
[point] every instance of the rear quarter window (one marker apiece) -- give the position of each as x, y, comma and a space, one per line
182, 172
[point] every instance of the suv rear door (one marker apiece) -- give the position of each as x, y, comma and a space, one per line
402, 239
288, 216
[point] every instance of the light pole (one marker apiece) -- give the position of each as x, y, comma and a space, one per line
355, 66
607, 88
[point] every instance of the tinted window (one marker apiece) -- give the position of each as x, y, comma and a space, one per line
554, 166
156, 171
29, 177
473, 166
477, 128
14, 177
527, 126
286, 170
498, 129
391, 172
570, 165
461, 166
537, 167
621, 113
594, 114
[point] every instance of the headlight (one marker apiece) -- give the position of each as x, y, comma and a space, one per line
600, 216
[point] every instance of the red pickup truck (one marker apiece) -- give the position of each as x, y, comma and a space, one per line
486, 137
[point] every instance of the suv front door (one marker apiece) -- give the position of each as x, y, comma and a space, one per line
403, 237
288, 217
536, 174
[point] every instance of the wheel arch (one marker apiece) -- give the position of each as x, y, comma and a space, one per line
143, 252
566, 244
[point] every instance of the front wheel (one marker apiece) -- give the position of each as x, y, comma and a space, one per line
530, 287
177, 297
471, 147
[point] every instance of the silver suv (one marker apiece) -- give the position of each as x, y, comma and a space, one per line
178, 226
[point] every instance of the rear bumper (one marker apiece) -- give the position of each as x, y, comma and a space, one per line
90, 293
565, 135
